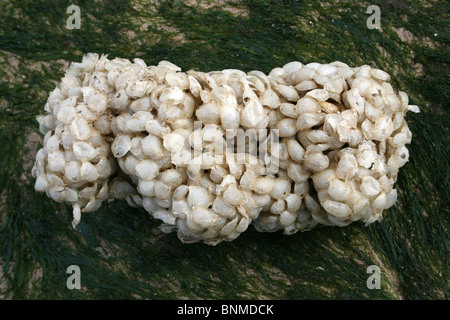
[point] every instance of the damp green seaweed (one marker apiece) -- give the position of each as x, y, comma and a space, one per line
121, 252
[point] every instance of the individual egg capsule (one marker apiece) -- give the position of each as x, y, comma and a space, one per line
217, 173
146, 188
370, 186
121, 145
222, 208
391, 198
379, 203
318, 136
302, 74
288, 92
233, 196
80, 129
308, 120
120, 101
270, 98
262, 200
339, 190
198, 196
106, 166
263, 185
297, 172
289, 110
287, 127
88, 191
41, 183
88, 172
241, 226
200, 218
246, 180
172, 177
66, 114
208, 113
152, 146
295, 150
84, 151
278, 206
56, 161
293, 202
347, 166
287, 218
281, 188
138, 121
165, 215
229, 117
316, 161
147, 169
337, 209
292, 67
76, 215
92, 205
162, 190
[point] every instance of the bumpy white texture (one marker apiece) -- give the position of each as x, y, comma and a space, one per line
116, 129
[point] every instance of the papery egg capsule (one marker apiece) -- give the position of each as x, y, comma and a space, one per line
172, 178
308, 120
297, 172
223, 208
303, 74
80, 129
241, 226
295, 150
288, 92
88, 172
104, 167
153, 147
339, 190
84, 151
287, 127
370, 186
270, 98
263, 185
165, 215
379, 203
233, 196
306, 85
56, 161
278, 206
316, 161
338, 209
41, 183
293, 202
121, 145
287, 218
289, 110
147, 169
229, 118
138, 121
162, 190
229, 227
76, 215
120, 101
347, 166
208, 113
292, 67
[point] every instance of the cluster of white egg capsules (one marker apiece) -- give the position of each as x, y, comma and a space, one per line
153, 135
